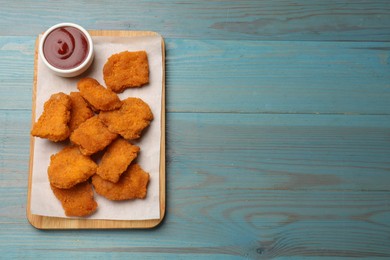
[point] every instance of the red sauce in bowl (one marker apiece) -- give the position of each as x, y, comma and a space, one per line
65, 47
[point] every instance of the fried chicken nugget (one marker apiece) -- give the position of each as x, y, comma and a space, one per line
126, 70
128, 121
80, 111
77, 201
69, 167
92, 136
132, 185
53, 122
99, 97
116, 159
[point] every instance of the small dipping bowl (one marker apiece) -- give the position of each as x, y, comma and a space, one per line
66, 49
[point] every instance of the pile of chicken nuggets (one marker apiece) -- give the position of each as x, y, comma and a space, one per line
98, 129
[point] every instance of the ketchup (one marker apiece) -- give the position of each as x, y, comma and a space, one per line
65, 47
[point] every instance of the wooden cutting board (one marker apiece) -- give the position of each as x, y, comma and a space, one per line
44, 222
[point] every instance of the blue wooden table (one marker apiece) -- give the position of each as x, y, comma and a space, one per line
278, 129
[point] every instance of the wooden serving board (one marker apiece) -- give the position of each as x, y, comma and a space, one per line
44, 222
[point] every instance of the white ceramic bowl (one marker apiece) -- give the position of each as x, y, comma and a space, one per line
74, 71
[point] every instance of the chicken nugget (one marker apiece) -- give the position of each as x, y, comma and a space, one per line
69, 167
77, 201
99, 97
128, 121
53, 122
80, 111
126, 70
92, 136
116, 159
131, 185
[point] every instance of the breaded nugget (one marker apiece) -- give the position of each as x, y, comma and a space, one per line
99, 97
126, 70
80, 111
92, 136
116, 159
69, 167
128, 121
132, 185
53, 122
77, 201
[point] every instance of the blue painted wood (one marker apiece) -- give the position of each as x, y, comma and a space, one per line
16, 72
282, 152
245, 223
240, 20
250, 77
277, 129
253, 199
255, 151
278, 77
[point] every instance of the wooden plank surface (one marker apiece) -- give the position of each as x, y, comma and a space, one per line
301, 20
276, 210
301, 152
279, 152
279, 77
277, 129
45, 222
271, 77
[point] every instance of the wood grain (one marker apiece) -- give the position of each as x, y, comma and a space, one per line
246, 77
16, 62
233, 200
237, 223
278, 152
301, 20
267, 152
278, 77
45, 222
278, 129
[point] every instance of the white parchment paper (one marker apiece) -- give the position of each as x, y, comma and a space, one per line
43, 201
